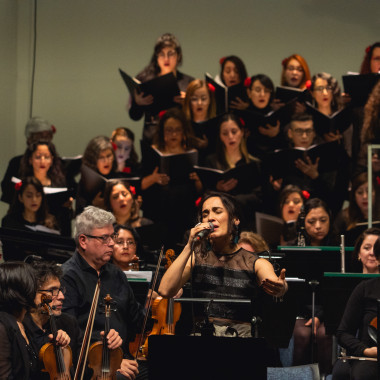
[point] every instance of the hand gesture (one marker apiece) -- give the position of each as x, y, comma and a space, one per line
309, 168
141, 99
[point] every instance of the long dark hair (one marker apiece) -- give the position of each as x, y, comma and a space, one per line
365, 67
240, 67
359, 242
55, 171
266, 82
126, 132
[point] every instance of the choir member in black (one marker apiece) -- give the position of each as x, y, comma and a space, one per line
318, 233
29, 208
347, 220
231, 152
125, 152
233, 72
263, 138
100, 157
199, 107
18, 360
120, 199
221, 269
363, 256
95, 238
353, 331
330, 185
42, 161
164, 196
36, 129
371, 60
166, 58
37, 321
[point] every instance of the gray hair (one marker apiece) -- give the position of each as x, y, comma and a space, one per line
91, 217
37, 124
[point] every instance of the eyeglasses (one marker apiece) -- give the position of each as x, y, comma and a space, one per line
109, 157
322, 88
300, 131
172, 131
45, 157
258, 90
105, 239
295, 68
170, 54
203, 99
128, 243
54, 291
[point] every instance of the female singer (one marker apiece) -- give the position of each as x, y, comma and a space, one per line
199, 107
363, 256
371, 61
119, 198
231, 152
42, 161
263, 138
126, 157
164, 195
18, 360
29, 207
100, 157
354, 330
295, 72
166, 58
235, 272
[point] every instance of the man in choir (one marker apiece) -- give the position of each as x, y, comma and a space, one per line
95, 239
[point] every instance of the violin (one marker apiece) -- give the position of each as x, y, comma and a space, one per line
57, 360
103, 361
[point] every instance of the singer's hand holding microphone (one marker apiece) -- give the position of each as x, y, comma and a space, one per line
201, 231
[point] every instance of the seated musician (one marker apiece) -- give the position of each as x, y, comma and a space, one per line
221, 269
95, 239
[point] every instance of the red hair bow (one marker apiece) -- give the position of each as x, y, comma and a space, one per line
198, 202
132, 189
114, 146
308, 84
285, 62
161, 114
368, 49
211, 87
242, 121
305, 194
248, 82
18, 185
221, 60
53, 129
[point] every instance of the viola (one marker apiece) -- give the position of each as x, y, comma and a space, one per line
103, 361
57, 360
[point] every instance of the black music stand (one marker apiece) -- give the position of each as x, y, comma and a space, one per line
205, 358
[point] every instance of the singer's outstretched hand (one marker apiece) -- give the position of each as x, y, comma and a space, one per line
276, 288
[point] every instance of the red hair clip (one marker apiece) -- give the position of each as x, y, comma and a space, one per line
285, 62
132, 189
18, 185
114, 146
53, 129
368, 49
305, 194
221, 60
211, 87
242, 121
248, 82
308, 84
198, 202
161, 114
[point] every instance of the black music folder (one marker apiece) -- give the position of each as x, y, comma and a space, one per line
288, 94
339, 121
163, 89
359, 87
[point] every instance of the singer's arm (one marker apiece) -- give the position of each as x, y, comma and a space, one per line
267, 278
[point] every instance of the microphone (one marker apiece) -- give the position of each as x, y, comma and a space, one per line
202, 234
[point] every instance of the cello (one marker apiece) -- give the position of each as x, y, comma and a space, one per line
57, 360
103, 361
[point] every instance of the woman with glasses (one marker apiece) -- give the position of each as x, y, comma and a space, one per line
295, 72
166, 58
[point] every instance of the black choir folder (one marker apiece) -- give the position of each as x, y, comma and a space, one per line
248, 176
339, 121
224, 95
281, 162
255, 119
163, 89
176, 166
93, 182
288, 94
359, 86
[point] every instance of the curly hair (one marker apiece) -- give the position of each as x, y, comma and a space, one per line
371, 121
55, 171
336, 103
302, 61
365, 67
193, 86
97, 145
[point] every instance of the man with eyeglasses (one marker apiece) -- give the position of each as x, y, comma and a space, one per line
95, 238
